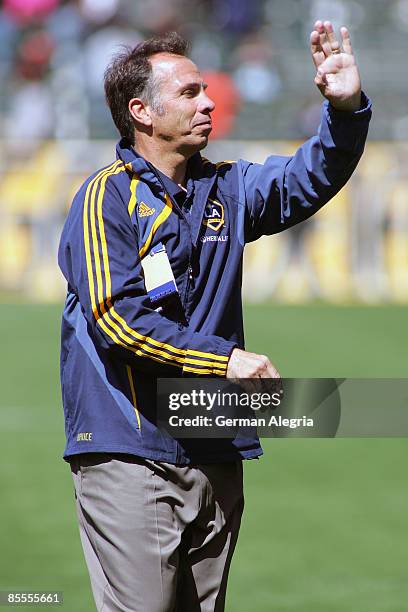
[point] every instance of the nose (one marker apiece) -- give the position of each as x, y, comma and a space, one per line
206, 104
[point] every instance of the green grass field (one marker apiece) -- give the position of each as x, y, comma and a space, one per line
325, 524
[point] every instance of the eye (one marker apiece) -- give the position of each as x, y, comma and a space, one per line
189, 93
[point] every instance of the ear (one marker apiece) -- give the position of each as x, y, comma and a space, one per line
140, 111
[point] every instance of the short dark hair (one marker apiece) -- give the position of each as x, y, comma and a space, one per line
129, 75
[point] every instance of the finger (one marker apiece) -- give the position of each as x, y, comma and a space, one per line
331, 65
324, 42
317, 52
324, 70
346, 41
320, 82
325, 45
269, 372
331, 36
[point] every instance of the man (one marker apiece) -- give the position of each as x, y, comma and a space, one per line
152, 252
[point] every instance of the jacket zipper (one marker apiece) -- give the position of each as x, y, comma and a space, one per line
189, 273
189, 279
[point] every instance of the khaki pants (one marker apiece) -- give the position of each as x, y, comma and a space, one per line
157, 537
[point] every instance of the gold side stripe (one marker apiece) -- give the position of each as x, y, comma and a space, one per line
226, 162
218, 164
102, 238
87, 241
148, 349
108, 288
222, 358
95, 310
103, 176
132, 390
204, 371
159, 220
164, 345
112, 168
132, 202
208, 355
138, 352
151, 353
98, 268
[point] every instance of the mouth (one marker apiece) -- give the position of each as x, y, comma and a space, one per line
205, 126
207, 123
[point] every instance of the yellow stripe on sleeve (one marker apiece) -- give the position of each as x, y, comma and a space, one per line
219, 372
108, 289
132, 202
86, 237
108, 284
91, 189
226, 162
104, 316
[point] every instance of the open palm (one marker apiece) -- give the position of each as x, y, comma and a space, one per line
337, 75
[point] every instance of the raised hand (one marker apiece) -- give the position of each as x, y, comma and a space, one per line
337, 75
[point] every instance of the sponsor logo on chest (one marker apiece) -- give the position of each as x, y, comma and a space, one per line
214, 238
214, 215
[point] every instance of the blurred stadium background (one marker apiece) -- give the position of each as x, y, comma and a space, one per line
325, 523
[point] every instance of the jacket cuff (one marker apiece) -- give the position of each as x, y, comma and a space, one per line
210, 364
225, 349
363, 112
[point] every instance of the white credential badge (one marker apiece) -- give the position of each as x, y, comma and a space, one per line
159, 277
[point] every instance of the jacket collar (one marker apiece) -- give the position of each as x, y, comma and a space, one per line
136, 163
202, 175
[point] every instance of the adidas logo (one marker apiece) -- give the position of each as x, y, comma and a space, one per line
144, 210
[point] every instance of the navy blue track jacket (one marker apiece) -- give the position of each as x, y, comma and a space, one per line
114, 343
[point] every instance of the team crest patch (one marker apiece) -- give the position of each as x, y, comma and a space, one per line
144, 210
214, 215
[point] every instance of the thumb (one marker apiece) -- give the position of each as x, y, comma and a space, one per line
320, 78
331, 65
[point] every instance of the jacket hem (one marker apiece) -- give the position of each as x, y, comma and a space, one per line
170, 457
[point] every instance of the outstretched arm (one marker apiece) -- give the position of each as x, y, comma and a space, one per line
287, 190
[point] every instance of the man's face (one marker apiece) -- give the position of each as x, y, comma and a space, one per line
183, 118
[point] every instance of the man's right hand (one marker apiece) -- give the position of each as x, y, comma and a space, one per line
337, 74
243, 364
